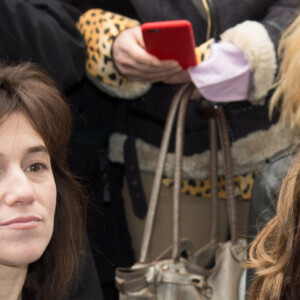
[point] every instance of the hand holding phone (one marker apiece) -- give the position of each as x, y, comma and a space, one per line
171, 40
135, 63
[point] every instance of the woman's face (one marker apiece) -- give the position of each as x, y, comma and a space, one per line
27, 193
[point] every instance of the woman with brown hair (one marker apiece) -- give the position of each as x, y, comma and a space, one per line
275, 251
42, 207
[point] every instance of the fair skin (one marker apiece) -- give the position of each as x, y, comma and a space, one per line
27, 202
133, 61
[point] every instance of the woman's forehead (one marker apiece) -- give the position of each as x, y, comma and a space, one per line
16, 133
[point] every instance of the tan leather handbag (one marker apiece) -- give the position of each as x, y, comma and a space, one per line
180, 273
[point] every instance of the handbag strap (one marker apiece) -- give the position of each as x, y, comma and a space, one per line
178, 171
229, 184
213, 147
220, 120
218, 124
159, 168
181, 98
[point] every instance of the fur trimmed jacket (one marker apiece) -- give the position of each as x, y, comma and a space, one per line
255, 27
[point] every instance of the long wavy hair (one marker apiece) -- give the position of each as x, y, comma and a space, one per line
27, 89
287, 94
275, 252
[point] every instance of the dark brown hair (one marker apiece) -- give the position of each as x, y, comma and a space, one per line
27, 89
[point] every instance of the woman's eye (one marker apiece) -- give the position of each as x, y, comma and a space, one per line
35, 168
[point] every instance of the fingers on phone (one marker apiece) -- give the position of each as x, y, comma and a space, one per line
151, 77
158, 66
144, 58
142, 66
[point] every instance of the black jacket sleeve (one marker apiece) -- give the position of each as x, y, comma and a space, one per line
266, 189
43, 31
279, 15
265, 194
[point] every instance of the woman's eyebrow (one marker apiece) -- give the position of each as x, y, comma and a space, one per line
37, 149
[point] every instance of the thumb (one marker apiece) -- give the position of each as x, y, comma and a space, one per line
141, 53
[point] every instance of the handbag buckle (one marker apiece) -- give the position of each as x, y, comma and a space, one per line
201, 283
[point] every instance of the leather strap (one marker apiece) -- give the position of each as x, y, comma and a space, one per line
217, 113
159, 171
230, 198
133, 177
182, 98
177, 170
213, 146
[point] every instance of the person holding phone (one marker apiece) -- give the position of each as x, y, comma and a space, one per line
245, 46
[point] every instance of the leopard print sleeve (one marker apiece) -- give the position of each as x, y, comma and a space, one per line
99, 29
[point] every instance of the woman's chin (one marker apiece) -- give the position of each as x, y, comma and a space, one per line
23, 247
22, 255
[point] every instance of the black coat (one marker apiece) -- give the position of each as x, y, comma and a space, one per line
266, 190
265, 193
148, 113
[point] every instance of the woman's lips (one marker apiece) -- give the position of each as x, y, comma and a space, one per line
24, 222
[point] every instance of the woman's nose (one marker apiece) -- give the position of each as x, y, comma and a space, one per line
19, 189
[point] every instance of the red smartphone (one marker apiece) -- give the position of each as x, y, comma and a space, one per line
171, 40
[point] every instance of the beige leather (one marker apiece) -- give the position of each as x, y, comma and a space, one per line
190, 279
214, 271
